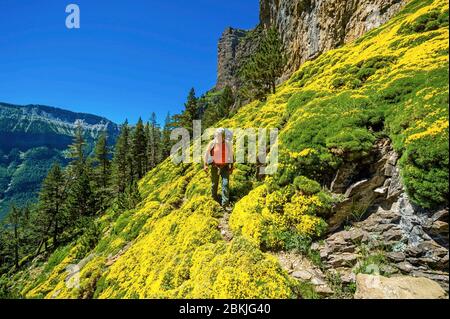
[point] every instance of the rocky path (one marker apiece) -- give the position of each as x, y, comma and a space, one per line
300, 268
398, 235
296, 265
224, 226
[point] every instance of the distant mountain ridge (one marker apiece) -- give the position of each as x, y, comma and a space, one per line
32, 138
49, 126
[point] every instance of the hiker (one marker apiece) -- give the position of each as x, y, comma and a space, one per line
219, 155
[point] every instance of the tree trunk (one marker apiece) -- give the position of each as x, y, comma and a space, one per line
55, 234
16, 247
104, 174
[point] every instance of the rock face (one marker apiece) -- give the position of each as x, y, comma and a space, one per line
413, 240
311, 27
235, 45
364, 182
307, 28
400, 287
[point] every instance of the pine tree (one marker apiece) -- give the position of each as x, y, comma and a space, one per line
80, 201
102, 172
226, 102
263, 68
101, 153
218, 109
158, 147
139, 150
29, 239
153, 142
4, 251
14, 219
50, 218
120, 165
81, 198
148, 162
190, 112
166, 142
130, 197
77, 148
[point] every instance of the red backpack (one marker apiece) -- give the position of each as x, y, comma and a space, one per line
222, 154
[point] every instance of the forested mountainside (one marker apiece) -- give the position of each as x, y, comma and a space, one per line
362, 184
32, 137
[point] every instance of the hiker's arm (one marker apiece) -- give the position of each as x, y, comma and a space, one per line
206, 155
231, 167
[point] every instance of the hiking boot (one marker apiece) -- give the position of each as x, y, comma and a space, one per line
227, 208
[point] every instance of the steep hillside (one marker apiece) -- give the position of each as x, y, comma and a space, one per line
32, 137
381, 97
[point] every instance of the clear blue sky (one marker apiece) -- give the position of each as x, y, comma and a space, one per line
129, 58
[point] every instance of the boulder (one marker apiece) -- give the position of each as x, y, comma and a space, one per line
343, 260
302, 274
439, 228
401, 287
405, 266
441, 215
393, 235
396, 256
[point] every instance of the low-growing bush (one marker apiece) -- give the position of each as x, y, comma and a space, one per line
306, 185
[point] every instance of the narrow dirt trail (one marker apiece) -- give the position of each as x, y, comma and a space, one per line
224, 226
295, 264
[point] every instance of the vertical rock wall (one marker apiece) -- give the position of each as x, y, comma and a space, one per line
308, 28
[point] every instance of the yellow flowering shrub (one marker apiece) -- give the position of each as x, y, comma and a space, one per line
264, 218
436, 128
248, 220
238, 270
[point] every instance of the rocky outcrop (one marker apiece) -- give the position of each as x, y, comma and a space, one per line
300, 268
400, 234
399, 287
311, 27
413, 241
307, 28
364, 182
235, 46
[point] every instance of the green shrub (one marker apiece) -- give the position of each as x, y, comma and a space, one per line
5, 291
352, 142
88, 240
338, 82
354, 83
300, 99
242, 181
365, 73
425, 171
429, 21
306, 185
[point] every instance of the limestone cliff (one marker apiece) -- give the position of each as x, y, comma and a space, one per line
307, 28
235, 46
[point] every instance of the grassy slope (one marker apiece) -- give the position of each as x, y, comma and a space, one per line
331, 110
